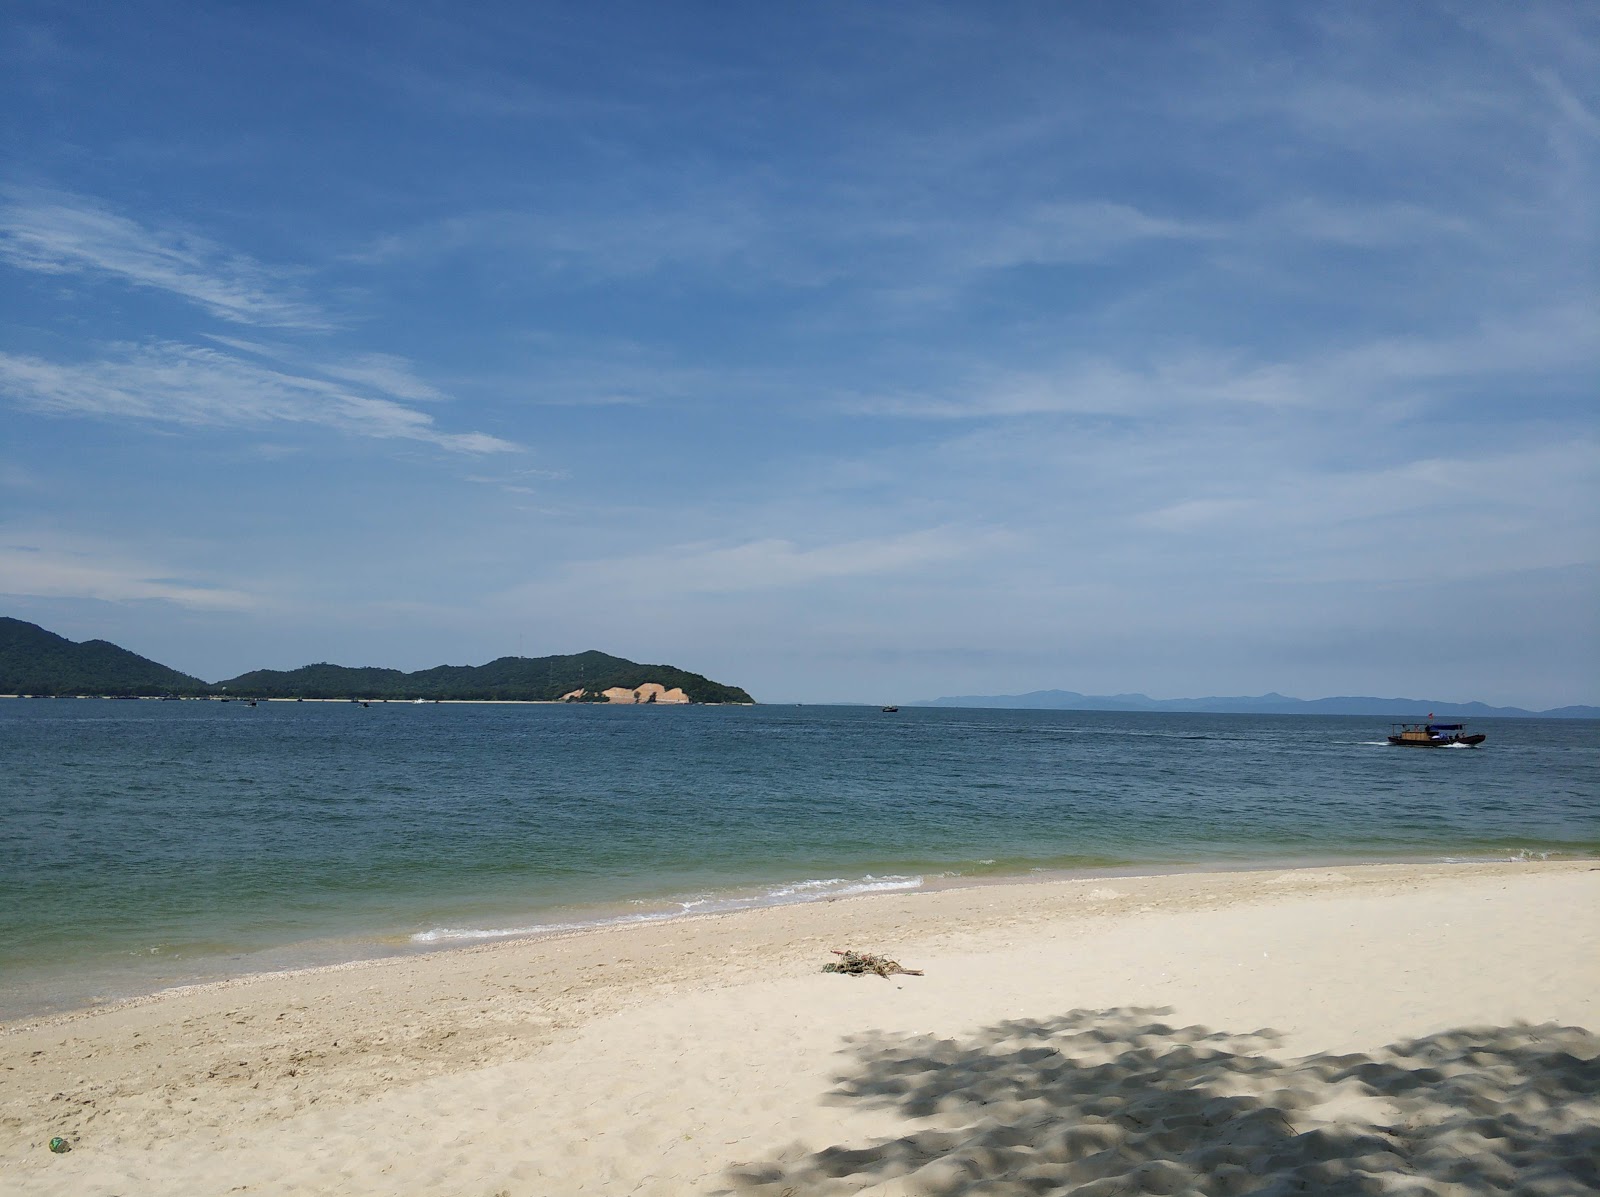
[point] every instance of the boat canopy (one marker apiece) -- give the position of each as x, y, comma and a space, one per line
1446, 726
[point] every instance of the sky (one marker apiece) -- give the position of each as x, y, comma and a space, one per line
841, 351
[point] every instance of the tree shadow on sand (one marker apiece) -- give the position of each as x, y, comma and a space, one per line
1105, 1102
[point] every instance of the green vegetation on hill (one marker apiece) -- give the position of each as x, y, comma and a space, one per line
34, 661
514, 679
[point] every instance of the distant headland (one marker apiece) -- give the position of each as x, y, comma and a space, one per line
34, 661
1264, 704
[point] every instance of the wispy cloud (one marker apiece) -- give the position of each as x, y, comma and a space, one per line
1580, 116
775, 563
55, 233
1322, 221
705, 228
1046, 234
1399, 371
1460, 510
1097, 387
40, 570
172, 383
1189, 514
386, 373
764, 238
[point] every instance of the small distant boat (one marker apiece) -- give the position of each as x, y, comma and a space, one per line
417, 702
1434, 735
891, 710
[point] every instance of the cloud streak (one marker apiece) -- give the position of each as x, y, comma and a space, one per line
39, 571
54, 233
172, 383
386, 373
775, 563
1400, 371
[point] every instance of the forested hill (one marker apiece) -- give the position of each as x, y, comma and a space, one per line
36, 661
520, 679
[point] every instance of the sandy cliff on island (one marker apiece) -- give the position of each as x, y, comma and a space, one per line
649, 692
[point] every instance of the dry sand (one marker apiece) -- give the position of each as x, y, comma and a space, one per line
1421, 1029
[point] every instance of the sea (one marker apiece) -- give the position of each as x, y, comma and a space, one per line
148, 844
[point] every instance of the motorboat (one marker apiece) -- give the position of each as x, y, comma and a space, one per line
1434, 735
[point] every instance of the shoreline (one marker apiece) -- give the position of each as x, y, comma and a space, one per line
699, 1055
373, 949
370, 701
1297, 876
1385, 719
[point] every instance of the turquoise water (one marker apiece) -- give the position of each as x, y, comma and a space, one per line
144, 844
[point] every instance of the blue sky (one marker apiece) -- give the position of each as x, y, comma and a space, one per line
840, 351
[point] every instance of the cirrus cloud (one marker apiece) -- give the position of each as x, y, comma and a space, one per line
56, 233
54, 571
192, 386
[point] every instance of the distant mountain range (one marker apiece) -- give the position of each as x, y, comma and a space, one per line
1265, 704
39, 662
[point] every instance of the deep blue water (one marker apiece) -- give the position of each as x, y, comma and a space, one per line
144, 843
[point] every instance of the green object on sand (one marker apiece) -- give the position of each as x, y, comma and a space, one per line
59, 1145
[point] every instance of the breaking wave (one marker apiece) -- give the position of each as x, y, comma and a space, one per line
715, 903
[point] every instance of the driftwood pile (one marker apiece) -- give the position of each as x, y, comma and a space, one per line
858, 964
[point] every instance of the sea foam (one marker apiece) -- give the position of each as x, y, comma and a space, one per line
793, 893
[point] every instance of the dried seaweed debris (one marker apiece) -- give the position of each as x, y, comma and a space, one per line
858, 964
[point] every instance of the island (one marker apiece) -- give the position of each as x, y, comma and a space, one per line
37, 662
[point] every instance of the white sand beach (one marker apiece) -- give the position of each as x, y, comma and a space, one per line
1406, 1028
